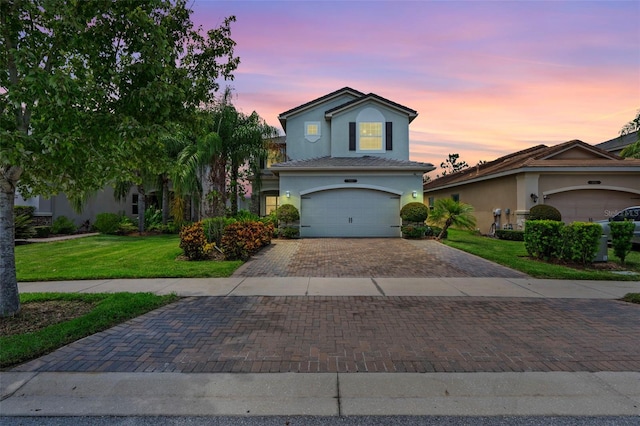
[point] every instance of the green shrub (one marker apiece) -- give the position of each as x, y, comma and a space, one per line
414, 212
436, 230
411, 231
246, 216
542, 238
23, 228
172, 227
289, 232
270, 219
510, 234
621, 234
287, 213
42, 231
214, 228
544, 212
107, 223
126, 226
242, 239
63, 225
580, 242
152, 218
24, 211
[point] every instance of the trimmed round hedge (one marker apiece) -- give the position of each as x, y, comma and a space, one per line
414, 212
544, 212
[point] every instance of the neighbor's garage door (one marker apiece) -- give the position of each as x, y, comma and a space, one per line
593, 204
350, 213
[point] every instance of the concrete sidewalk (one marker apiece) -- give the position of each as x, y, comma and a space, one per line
323, 286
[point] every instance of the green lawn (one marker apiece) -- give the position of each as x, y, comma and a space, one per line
514, 255
107, 256
106, 310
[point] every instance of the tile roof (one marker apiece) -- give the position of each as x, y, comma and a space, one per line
363, 163
537, 156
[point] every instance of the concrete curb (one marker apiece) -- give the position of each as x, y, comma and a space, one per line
325, 394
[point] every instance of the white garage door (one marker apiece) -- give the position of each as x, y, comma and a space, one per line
350, 213
591, 204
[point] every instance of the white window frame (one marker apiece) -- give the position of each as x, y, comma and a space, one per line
369, 116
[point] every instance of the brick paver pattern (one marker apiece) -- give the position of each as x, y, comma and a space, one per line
369, 257
363, 334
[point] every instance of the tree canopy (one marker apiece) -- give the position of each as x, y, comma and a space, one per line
633, 150
451, 165
85, 91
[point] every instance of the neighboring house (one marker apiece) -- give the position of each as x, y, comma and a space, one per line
584, 182
347, 166
616, 145
49, 209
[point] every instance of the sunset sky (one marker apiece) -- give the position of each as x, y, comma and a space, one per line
487, 77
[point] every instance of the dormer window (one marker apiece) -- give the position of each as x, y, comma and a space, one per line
312, 130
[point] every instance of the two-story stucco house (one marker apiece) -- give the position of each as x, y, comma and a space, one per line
348, 169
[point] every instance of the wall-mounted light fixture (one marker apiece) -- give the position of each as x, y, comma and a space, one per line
534, 198
288, 194
414, 194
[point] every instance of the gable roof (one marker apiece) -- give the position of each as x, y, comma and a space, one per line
366, 162
372, 96
539, 156
359, 98
345, 90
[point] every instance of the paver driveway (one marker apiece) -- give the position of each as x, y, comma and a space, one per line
368, 257
363, 334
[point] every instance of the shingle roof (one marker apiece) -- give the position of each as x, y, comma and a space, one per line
283, 116
362, 163
619, 143
410, 112
537, 156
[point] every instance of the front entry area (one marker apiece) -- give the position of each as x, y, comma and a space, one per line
350, 212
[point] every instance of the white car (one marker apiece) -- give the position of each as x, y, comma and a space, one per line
630, 213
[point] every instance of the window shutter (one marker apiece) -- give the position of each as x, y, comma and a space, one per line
352, 136
389, 135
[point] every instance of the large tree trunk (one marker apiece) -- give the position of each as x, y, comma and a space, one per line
9, 296
217, 197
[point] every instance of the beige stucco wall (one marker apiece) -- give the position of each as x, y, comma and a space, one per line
555, 181
485, 197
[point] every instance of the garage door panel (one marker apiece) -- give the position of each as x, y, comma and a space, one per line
350, 213
590, 204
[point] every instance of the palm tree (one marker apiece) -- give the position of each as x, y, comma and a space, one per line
448, 212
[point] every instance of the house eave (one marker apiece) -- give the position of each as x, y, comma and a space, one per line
538, 169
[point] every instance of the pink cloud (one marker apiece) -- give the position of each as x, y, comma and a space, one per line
487, 78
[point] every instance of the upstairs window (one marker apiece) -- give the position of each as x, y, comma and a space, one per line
370, 133
370, 136
312, 130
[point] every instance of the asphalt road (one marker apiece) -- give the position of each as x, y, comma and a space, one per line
314, 421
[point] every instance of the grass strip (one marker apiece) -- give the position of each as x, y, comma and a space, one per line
109, 310
632, 298
514, 255
109, 256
